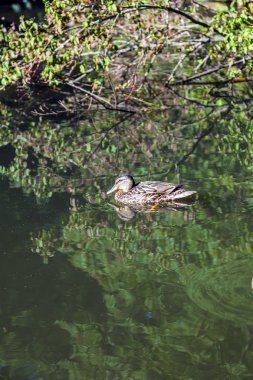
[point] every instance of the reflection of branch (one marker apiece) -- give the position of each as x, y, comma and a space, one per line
195, 101
194, 146
183, 126
203, 134
201, 137
106, 133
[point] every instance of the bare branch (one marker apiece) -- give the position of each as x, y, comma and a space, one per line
171, 10
207, 72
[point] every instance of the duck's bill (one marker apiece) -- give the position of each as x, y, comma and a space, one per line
112, 190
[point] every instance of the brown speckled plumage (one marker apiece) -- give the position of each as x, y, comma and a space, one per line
148, 192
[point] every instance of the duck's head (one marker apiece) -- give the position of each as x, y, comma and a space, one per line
124, 183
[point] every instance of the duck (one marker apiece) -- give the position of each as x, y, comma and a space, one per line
148, 192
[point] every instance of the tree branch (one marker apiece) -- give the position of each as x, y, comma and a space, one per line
177, 11
207, 72
100, 100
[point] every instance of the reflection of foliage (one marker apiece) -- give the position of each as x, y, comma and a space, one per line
142, 299
145, 271
238, 137
44, 244
48, 157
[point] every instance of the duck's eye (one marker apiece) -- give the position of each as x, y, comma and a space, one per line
119, 180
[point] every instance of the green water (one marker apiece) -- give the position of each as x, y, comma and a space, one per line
89, 291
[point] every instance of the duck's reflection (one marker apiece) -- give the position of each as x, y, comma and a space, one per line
127, 213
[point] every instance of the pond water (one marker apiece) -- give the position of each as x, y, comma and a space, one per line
91, 291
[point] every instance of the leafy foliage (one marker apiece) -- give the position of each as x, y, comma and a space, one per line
119, 54
236, 26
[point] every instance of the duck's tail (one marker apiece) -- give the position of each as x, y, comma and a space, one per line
186, 195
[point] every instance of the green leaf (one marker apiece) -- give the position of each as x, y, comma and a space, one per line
82, 69
18, 71
88, 147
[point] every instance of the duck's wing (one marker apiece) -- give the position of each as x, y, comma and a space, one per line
157, 187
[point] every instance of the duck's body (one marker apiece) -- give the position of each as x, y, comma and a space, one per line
148, 192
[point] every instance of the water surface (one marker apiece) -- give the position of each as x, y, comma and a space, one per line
92, 292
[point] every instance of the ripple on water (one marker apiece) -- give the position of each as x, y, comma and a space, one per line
225, 291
